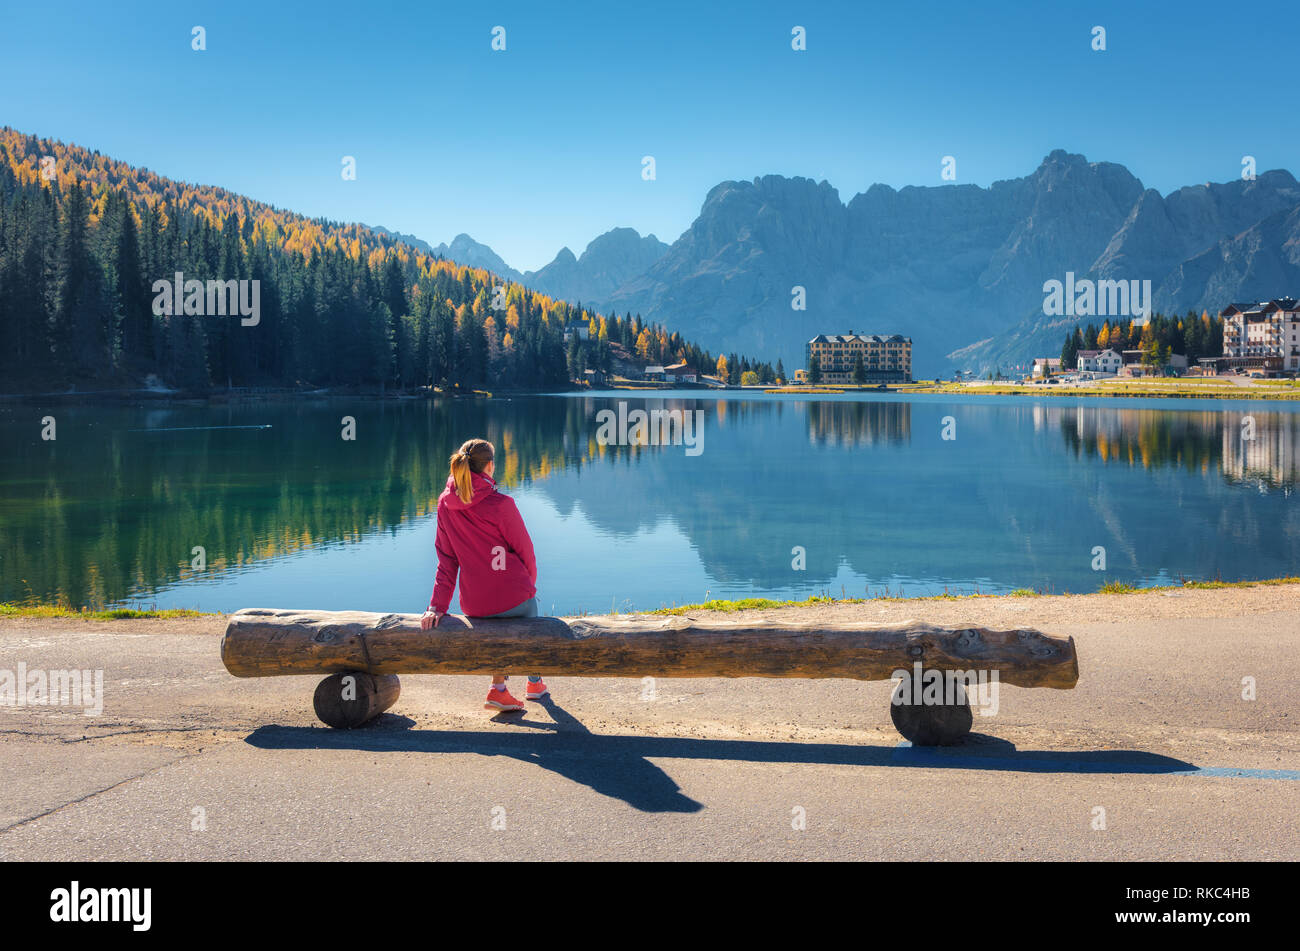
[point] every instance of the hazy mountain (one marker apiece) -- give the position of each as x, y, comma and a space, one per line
610, 260
418, 243
959, 268
465, 250
1201, 247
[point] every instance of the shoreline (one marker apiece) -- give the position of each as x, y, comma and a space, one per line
1270, 392
12, 610
1203, 388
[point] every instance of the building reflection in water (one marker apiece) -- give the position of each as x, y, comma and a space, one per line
1260, 448
858, 424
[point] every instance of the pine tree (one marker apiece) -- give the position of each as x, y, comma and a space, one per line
1070, 353
81, 318
442, 353
132, 297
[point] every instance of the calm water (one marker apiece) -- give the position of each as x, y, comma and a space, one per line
294, 516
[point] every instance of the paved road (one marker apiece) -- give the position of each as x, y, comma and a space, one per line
186, 762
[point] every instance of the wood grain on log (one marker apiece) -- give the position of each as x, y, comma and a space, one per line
347, 700
268, 643
928, 724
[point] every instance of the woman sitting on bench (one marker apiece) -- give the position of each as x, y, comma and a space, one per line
482, 538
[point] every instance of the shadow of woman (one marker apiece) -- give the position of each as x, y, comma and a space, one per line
620, 767
630, 778
633, 779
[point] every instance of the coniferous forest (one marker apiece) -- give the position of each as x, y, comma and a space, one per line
84, 238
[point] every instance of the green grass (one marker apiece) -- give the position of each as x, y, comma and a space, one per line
1110, 587
1171, 388
1116, 587
750, 604
1190, 387
1238, 584
88, 614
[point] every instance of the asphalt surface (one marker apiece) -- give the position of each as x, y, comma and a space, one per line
1155, 755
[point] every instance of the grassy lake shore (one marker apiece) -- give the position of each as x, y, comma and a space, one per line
1110, 590
1196, 388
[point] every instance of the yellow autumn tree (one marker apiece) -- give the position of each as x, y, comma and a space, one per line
722, 367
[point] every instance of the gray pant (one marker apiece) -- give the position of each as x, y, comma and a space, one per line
527, 609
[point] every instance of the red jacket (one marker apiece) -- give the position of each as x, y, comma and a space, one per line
486, 543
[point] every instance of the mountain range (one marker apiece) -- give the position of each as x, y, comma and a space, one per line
958, 268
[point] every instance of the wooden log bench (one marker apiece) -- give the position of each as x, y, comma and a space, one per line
363, 653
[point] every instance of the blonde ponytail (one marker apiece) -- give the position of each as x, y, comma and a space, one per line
473, 456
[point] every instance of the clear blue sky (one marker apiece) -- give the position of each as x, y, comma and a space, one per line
540, 146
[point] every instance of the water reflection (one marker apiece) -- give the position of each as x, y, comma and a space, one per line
1259, 447
867, 487
859, 424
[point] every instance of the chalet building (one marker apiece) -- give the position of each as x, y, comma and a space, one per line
680, 373
1046, 366
885, 359
1100, 361
1263, 336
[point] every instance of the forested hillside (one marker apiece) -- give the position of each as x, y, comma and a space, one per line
83, 239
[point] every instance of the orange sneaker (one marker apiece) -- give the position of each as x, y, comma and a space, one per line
535, 690
501, 700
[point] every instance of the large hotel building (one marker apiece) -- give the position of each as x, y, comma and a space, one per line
1263, 336
885, 359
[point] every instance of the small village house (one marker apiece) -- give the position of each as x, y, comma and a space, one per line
1100, 361
680, 373
1134, 367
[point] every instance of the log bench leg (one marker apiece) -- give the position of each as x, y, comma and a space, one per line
932, 724
350, 699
